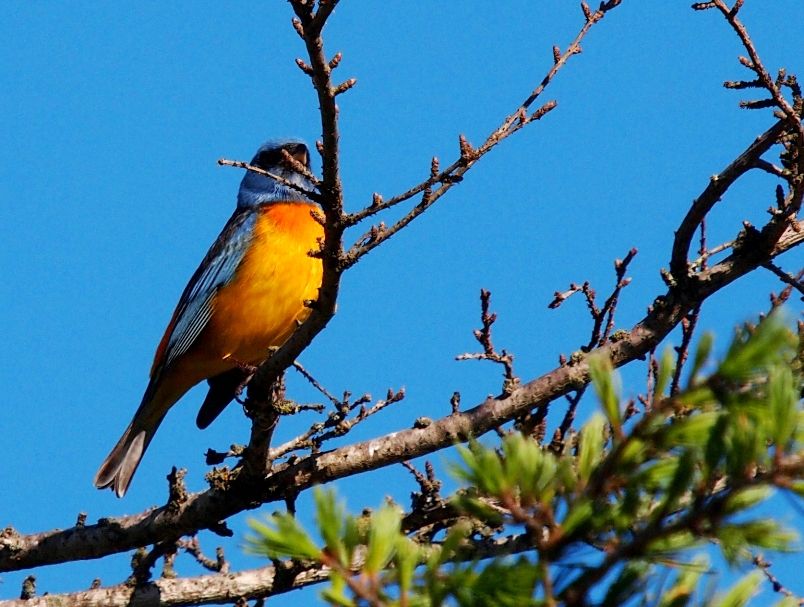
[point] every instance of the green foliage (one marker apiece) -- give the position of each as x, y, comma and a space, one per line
666, 367
383, 533
741, 592
637, 502
591, 449
682, 590
606, 386
283, 536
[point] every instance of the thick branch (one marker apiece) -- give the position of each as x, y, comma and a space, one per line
204, 510
323, 309
718, 184
228, 588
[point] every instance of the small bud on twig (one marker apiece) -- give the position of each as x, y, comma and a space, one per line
344, 86
336, 59
297, 25
757, 105
28, 588
780, 197
304, 67
467, 151
455, 402
547, 107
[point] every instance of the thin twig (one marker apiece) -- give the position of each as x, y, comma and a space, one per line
714, 191
764, 566
599, 335
688, 324
483, 336
756, 65
793, 281
311, 194
469, 155
316, 384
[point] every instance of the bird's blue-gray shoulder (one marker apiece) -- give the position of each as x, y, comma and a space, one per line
195, 306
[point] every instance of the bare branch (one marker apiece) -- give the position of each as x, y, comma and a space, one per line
755, 64
718, 185
793, 281
483, 336
224, 587
311, 194
605, 314
205, 510
453, 174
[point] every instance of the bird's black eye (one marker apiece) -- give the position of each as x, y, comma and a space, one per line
300, 153
272, 158
268, 159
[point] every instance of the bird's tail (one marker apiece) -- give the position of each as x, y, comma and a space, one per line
119, 467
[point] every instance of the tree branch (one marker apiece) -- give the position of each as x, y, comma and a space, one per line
469, 155
718, 185
250, 584
204, 510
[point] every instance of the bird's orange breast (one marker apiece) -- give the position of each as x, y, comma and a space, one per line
264, 302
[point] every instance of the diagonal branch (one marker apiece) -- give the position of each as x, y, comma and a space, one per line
263, 582
718, 185
469, 155
309, 26
793, 281
312, 195
204, 510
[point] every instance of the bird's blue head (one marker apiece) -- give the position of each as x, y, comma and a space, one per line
256, 189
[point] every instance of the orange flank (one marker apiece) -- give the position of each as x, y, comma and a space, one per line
262, 304
259, 308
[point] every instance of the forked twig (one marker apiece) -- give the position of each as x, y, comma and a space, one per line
483, 336
468, 155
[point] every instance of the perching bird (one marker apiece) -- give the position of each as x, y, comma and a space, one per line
247, 296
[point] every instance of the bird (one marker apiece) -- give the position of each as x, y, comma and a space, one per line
251, 291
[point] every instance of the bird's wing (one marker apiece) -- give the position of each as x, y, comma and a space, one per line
195, 305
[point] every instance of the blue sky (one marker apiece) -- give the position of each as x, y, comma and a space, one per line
114, 116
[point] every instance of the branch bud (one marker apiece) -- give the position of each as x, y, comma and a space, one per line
547, 107
344, 86
467, 151
304, 67
297, 25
